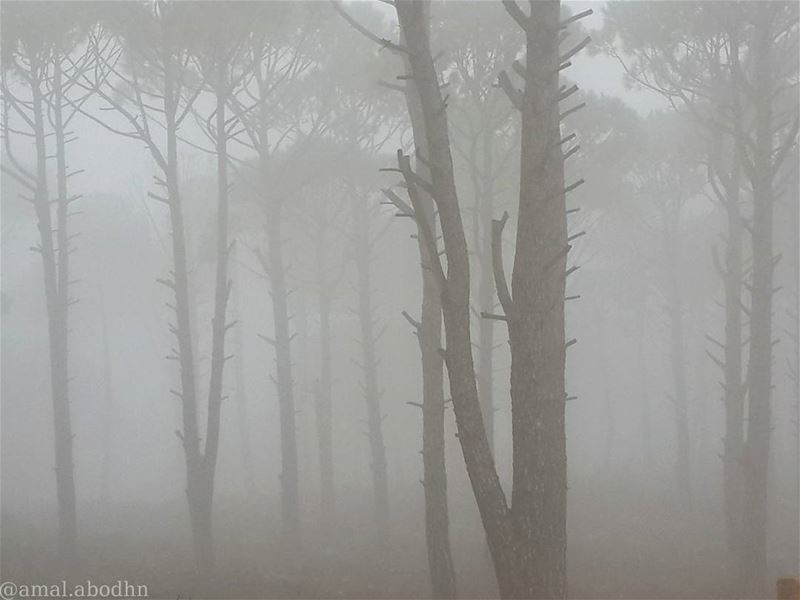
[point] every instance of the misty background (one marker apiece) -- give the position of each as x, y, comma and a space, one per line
646, 259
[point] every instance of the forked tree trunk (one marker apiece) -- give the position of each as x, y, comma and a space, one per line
528, 541
372, 394
199, 513
535, 313
429, 336
55, 260
454, 286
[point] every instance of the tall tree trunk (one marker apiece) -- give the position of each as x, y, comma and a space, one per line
108, 403
219, 326
607, 395
429, 336
734, 387
274, 266
644, 383
536, 324
324, 391
241, 386
55, 259
199, 514
486, 295
759, 374
675, 314
363, 252
454, 287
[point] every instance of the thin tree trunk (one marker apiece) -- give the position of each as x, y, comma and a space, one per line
55, 259
759, 374
219, 326
675, 314
429, 336
380, 481
454, 287
241, 387
108, 402
199, 513
644, 383
274, 266
486, 295
734, 387
607, 395
324, 409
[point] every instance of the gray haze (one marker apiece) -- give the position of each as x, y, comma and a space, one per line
307, 161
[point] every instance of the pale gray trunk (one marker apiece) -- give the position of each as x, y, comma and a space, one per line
429, 335
324, 391
363, 254
759, 374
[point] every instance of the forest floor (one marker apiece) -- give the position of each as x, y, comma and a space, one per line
621, 545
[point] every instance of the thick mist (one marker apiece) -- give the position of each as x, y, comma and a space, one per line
400, 299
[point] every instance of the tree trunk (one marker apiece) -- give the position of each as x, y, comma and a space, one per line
454, 287
241, 387
324, 391
199, 516
675, 314
644, 383
536, 324
607, 395
55, 260
108, 402
486, 295
290, 496
734, 388
759, 374
219, 327
429, 336
380, 481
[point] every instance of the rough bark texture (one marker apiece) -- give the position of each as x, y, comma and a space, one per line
528, 541
536, 324
372, 394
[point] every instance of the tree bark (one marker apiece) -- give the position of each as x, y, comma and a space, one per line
454, 288
486, 295
536, 323
429, 336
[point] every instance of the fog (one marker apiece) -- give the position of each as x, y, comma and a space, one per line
400, 299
